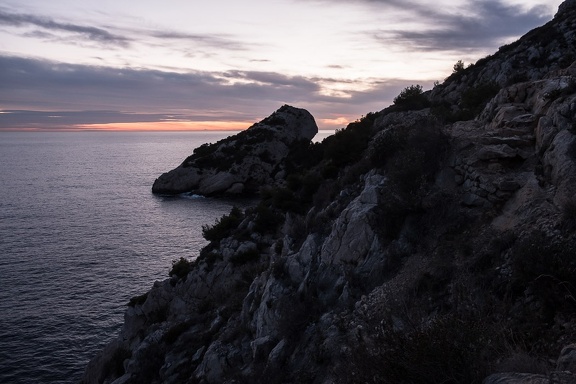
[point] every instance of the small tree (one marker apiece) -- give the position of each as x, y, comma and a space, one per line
458, 67
411, 98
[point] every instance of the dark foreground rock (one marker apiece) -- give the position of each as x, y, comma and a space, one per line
564, 372
243, 163
431, 242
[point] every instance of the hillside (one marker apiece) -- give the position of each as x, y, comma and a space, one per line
431, 242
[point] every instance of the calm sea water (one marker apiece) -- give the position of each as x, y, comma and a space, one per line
80, 234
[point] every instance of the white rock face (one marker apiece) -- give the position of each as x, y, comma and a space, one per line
352, 234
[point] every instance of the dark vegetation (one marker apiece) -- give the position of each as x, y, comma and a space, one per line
479, 319
449, 349
138, 300
180, 268
411, 98
224, 226
472, 102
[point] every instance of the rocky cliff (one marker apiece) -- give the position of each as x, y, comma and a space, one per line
431, 242
243, 163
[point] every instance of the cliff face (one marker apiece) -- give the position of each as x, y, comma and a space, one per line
417, 245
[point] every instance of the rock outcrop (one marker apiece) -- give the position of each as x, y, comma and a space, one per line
428, 245
242, 163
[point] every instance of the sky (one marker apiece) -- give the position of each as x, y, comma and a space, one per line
225, 64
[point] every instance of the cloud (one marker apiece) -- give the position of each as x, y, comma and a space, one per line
50, 30
90, 33
486, 24
222, 41
274, 79
466, 25
34, 89
26, 119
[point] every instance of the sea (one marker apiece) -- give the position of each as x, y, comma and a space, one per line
81, 233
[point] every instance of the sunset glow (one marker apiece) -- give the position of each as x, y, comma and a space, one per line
170, 126
109, 65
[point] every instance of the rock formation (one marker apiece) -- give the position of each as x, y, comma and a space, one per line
242, 163
428, 242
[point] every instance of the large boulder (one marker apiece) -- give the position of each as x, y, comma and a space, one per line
242, 163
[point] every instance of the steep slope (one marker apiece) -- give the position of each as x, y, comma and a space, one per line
429, 242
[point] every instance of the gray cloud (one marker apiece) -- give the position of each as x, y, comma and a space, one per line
48, 29
478, 24
274, 79
90, 33
18, 119
93, 95
486, 25
223, 42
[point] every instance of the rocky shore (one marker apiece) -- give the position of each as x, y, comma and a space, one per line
433, 241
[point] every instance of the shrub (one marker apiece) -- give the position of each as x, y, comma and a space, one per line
138, 300
472, 102
411, 98
303, 155
224, 226
180, 268
283, 199
347, 145
205, 149
447, 349
545, 267
475, 98
458, 67
410, 155
267, 219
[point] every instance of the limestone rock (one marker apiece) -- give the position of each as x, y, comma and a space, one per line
516, 378
243, 163
565, 372
567, 359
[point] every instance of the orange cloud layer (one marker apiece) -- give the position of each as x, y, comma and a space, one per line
335, 123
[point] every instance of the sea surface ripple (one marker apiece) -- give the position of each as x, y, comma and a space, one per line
80, 234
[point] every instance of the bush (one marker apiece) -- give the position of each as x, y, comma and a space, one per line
347, 145
224, 226
267, 219
458, 67
447, 349
138, 300
410, 155
544, 267
472, 102
205, 149
475, 98
411, 98
180, 268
